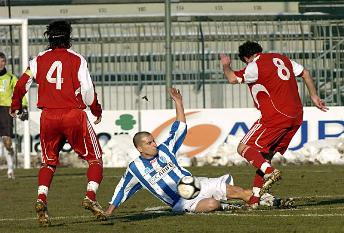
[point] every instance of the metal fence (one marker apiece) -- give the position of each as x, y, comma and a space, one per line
127, 60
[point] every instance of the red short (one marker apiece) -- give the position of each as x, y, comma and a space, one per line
71, 125
269, 139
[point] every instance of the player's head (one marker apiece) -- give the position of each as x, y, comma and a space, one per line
145, 144
248, 49
58, 34
2, 60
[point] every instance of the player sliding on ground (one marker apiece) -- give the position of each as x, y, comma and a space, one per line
65, 88
271, 80
157, 170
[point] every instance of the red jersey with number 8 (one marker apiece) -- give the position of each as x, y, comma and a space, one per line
273, 86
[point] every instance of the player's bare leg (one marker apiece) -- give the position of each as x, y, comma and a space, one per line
95, 176
236, 192
9, 154
207, 205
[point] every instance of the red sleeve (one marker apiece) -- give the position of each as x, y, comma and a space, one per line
20, 91
240, 74
95, 107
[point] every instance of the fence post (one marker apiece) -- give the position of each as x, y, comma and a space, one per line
202, 63
168, 56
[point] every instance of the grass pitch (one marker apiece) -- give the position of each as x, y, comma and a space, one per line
319, 193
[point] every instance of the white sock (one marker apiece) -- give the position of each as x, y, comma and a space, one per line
42, 189
92, 186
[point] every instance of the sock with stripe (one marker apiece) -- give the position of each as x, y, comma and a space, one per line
258, 182
45, 177
95, 177
255, 158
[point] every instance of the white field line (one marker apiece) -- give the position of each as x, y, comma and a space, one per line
162, 209
274, 215
52, 218
159, 209
319, 196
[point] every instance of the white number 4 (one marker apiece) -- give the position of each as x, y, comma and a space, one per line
57, 65
280, 68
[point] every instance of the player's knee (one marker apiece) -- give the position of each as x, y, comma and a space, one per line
51, 167
213, 204
7, 143
241, 148
95, 161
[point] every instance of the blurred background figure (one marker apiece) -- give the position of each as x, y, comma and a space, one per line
7, 84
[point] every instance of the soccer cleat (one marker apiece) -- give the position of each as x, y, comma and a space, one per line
252, 206
11, 176
42, 214
269, 180
95, 208
287, 203
232, 206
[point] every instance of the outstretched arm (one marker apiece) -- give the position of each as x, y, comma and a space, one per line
228, 71
178, 100
127, 186
307, 78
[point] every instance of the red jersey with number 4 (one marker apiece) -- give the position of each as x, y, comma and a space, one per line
63, 81
273, 86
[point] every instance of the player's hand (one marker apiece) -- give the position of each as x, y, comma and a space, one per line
319, 103
14, 113
175, 94
99, 119
24, 116
225, 60
110, 210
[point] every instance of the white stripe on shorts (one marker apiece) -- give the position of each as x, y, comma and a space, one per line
93, 139
250, 133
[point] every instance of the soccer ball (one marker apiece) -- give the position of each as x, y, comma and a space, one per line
189, 187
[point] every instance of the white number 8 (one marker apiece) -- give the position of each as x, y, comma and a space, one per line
280, 67
58, 80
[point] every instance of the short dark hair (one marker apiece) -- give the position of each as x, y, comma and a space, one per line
138, 137
2, 55
248, 49
58, 33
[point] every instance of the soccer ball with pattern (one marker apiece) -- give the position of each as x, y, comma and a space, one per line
189, 187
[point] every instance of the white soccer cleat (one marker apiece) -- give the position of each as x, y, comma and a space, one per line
267, 200
11, 176
276, 202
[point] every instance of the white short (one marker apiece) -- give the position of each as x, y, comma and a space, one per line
210, 187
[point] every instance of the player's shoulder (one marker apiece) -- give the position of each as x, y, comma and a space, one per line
76, 54
134, 162
40, 54
276, 55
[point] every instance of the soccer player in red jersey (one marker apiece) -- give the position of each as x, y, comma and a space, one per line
272, 83
65, 89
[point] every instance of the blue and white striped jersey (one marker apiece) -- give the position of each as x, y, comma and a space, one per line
159, 175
